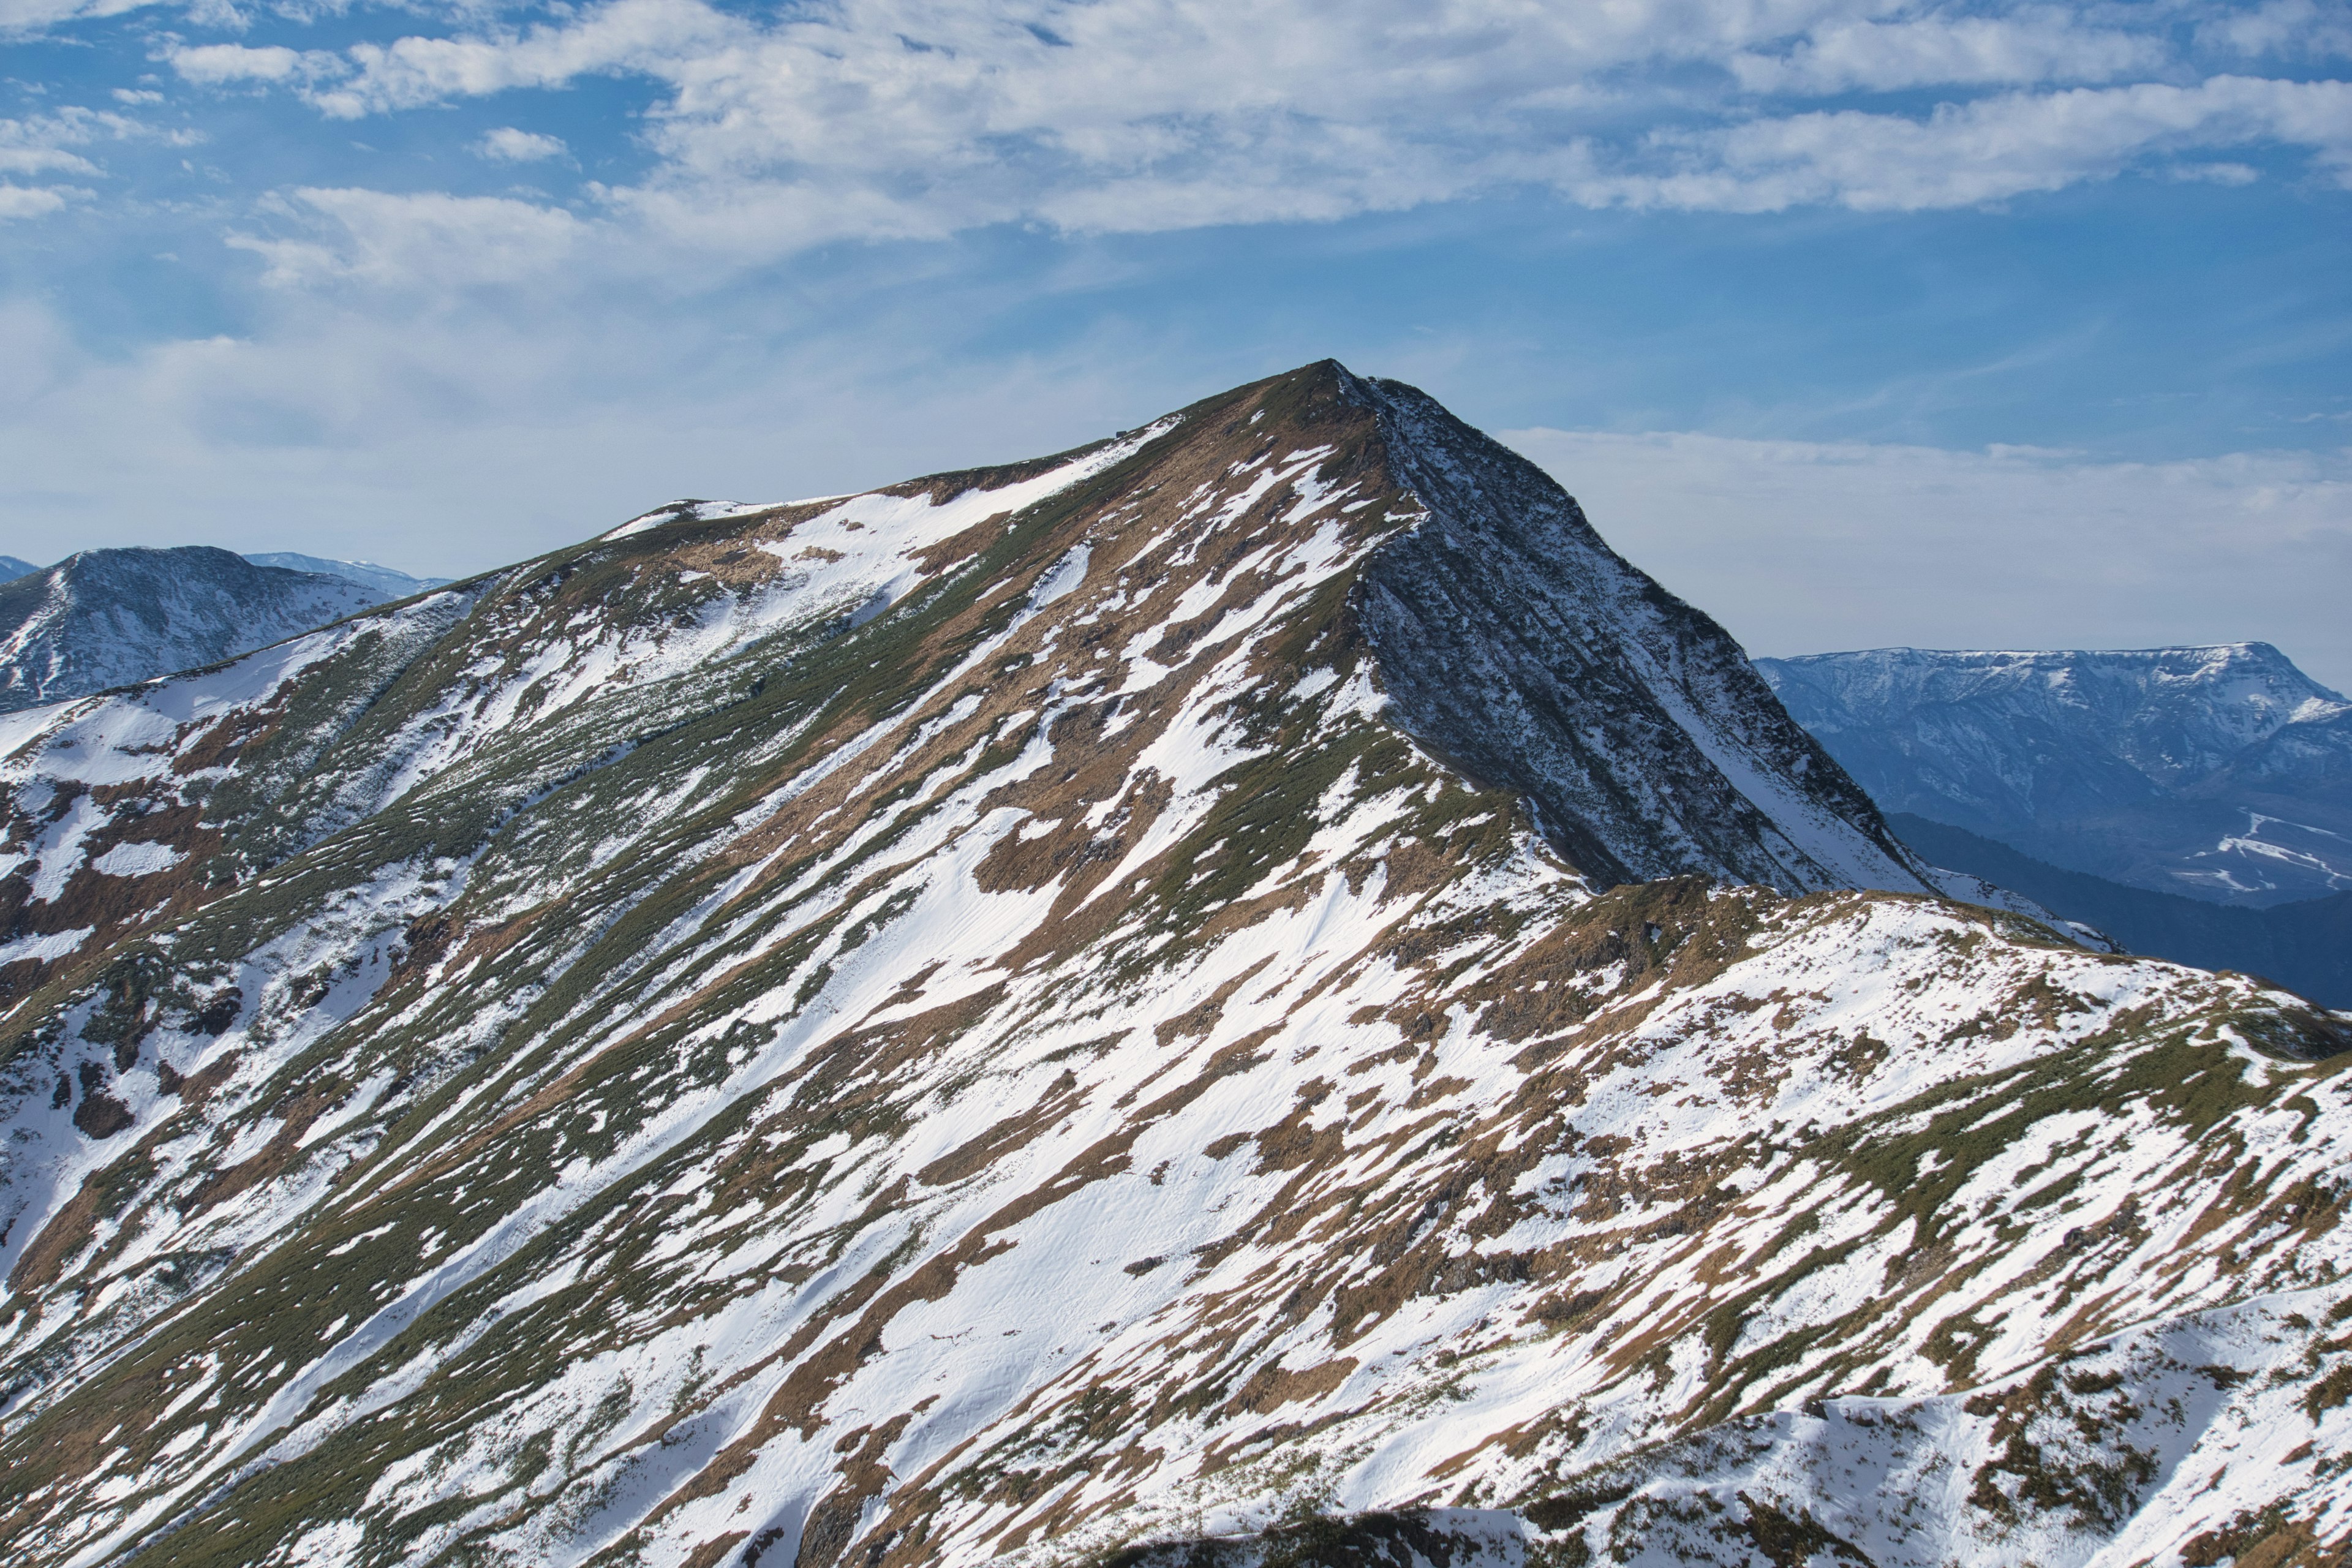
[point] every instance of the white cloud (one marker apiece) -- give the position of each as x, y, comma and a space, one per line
910, 118
426, 240
1986, 151
2293, 29
23, 16
2044, 45
28, 201
1800, 547
508, 145
40, 145
213, 64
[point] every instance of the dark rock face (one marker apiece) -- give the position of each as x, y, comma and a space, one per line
2218, 772
108, 617
1519, 645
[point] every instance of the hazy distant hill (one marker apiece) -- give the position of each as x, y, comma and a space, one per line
385, 583
2306, 944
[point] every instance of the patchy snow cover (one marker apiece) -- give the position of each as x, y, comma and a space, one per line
1012, 1016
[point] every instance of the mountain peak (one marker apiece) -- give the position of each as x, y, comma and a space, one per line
1018, 1014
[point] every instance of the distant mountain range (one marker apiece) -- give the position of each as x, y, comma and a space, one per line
2220, 773
2193, 803
11, 568
2306, 945
103, 618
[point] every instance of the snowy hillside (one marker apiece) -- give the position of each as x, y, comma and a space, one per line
2220, 773
108, 617
11, 568
1248, 977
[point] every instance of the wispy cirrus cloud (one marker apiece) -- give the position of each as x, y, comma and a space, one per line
422, 239
892, 119
55, 147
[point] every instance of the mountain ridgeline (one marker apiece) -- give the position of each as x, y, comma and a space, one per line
1245, 986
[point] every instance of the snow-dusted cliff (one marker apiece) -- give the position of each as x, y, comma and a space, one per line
2224, 773
1026, 1015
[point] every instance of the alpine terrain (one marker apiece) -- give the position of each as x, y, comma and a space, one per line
1247, 993
108, 617
2220, 773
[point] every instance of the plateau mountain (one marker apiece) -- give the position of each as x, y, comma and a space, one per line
1247, 985
2218, 772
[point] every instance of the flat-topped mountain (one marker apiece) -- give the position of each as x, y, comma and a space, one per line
1251, 975
2220, 773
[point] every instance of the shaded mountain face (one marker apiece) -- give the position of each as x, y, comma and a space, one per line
109, 617
381, 581
1020, 1015
11, 568
2218, 773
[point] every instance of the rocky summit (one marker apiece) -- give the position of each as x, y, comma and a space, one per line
1248, 993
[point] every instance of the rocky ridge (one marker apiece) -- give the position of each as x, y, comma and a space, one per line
1245, 975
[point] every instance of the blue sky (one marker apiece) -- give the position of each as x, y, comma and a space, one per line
1856, 322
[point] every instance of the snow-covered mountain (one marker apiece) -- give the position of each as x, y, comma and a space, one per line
11, 568
383, 581
102, 618
2220, 773
1048, 1010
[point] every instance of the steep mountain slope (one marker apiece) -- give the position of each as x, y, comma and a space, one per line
2305, 946
1025, 1012
383, 581
108, 617
2220, 773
